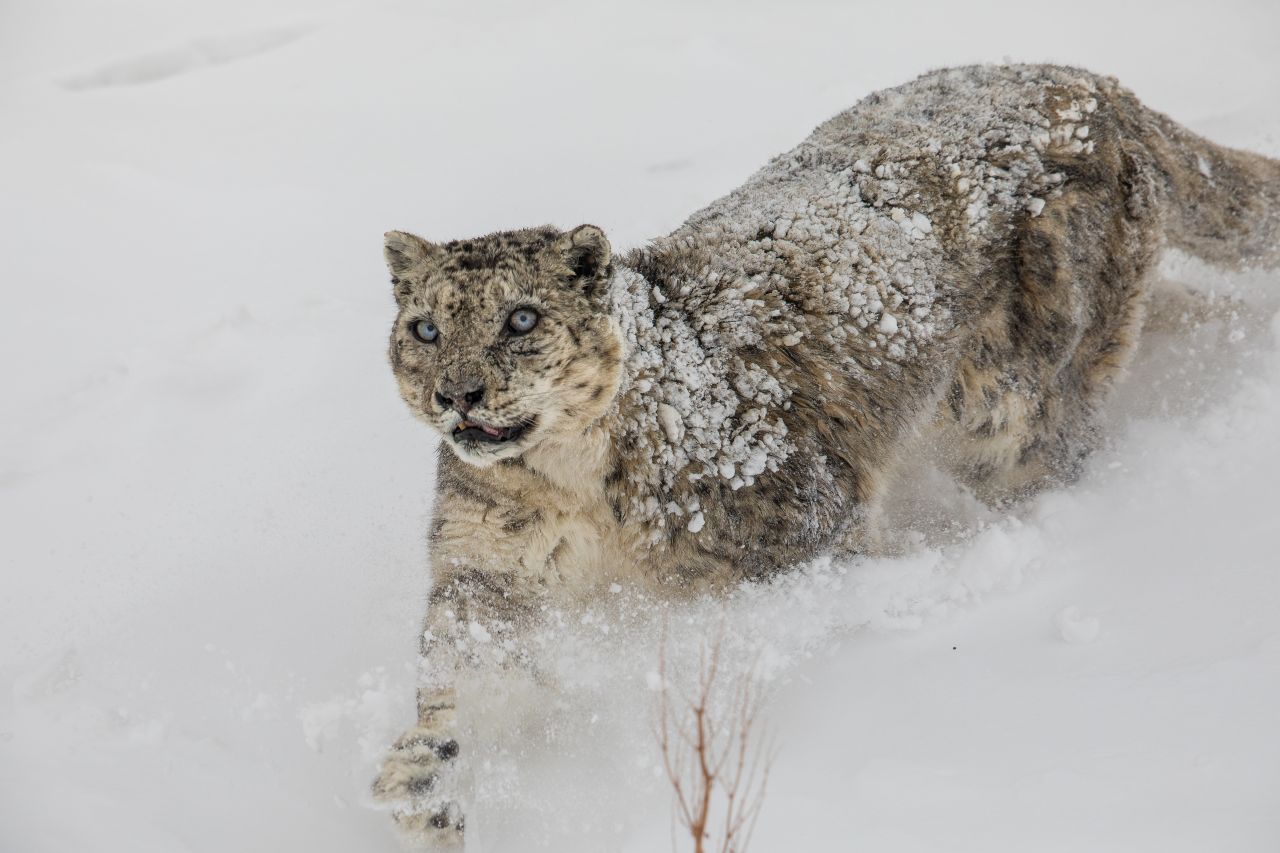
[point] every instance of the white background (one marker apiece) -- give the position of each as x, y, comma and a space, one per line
214, 503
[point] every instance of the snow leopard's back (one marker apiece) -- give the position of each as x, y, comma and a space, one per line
973, 244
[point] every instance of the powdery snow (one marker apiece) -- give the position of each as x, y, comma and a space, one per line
697, 410
216, 504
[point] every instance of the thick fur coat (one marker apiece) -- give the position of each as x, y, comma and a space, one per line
966, 257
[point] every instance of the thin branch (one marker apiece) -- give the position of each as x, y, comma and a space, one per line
712, 752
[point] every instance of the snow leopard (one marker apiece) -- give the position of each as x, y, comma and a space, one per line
966, 257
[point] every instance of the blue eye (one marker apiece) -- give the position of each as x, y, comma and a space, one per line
425, 331
522, 320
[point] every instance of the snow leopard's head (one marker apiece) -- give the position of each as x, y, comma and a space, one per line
504, 341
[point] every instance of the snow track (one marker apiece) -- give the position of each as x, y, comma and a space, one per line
201, 53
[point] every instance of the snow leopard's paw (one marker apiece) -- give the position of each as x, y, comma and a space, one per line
412, 784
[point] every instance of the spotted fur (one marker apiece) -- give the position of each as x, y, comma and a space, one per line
965, 257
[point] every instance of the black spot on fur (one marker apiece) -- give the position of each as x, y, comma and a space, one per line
515, 525
464, 490
422, 784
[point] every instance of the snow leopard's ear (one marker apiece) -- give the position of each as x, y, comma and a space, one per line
405, 252
585, 250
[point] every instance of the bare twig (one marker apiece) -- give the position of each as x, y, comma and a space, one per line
712, 751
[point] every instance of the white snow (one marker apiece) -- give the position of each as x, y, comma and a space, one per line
215, 503
479, 634
711, 408
669, 418
1076, 627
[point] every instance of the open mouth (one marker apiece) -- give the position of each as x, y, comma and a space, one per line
467, 430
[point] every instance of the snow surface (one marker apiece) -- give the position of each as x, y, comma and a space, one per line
215, 503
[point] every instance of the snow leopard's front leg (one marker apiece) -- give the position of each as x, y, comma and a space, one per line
472, 623
414, 780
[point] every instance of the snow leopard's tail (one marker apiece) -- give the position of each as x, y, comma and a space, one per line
1222, 205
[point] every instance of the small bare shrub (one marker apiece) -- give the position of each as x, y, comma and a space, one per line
712, 750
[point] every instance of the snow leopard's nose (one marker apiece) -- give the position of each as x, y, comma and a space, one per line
461, 395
